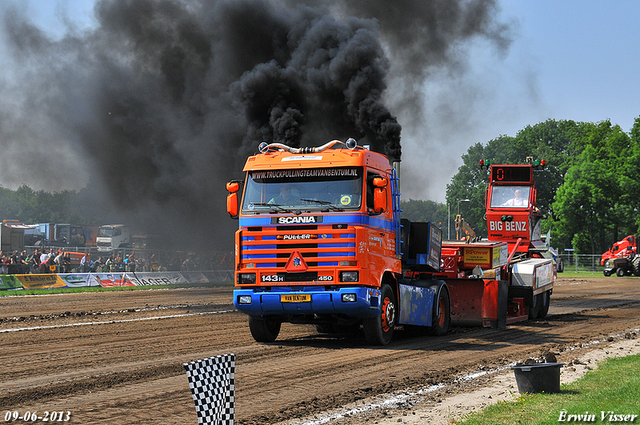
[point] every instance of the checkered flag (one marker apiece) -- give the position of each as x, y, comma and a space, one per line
212, 383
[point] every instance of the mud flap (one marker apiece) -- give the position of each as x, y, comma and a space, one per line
416, 304
494, 304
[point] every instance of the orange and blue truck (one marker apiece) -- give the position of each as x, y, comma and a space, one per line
321, 241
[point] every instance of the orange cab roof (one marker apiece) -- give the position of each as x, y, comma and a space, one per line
329, 158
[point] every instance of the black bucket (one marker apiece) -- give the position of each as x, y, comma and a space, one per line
538, 377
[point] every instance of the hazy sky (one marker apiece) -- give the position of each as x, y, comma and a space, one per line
575, 60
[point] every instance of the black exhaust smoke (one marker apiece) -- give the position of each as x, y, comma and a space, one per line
166, 98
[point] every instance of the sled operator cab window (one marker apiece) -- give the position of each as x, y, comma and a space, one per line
301, 190
510, 196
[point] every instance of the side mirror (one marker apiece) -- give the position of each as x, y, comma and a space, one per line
232, 199
380, 194
233, 187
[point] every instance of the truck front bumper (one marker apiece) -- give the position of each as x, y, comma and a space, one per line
357, 302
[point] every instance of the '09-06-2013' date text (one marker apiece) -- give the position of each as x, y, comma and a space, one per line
35, 416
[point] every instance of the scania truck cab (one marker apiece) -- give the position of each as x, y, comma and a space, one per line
319, 242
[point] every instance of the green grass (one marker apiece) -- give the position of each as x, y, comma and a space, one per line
113, 288
613, 386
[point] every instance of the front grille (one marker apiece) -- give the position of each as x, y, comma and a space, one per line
298, 228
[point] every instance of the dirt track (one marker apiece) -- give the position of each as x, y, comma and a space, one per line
116, 357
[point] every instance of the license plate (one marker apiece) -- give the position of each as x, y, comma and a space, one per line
295, 298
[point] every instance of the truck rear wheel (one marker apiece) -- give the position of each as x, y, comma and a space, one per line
264, 329
443, 319
379, 330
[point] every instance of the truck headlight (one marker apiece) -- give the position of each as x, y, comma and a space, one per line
349, 276
244, 299
349, 298
246, 278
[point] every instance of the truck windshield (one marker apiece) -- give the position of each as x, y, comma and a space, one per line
329, 189
510, 196
108, 232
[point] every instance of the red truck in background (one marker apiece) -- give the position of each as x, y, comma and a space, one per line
321, 241
513, 217
513, 268
622, 258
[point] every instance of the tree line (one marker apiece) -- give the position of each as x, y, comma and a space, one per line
589, 190
67, 206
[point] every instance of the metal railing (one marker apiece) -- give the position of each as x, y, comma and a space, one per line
157, 259
582, 262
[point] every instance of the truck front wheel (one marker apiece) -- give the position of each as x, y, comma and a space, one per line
620, 272
379, 330
264, 329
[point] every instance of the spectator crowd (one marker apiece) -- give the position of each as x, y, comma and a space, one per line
43, 260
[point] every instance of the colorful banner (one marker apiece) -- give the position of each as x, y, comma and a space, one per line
41, 281
193, 277
76, 280
106, 280
8, 282
156, 278
218, 275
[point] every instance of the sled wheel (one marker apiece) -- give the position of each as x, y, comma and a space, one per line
379, 330
264, 329
534, 308
545, 300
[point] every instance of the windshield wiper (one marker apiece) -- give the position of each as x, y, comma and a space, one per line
327, 203
276, 207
